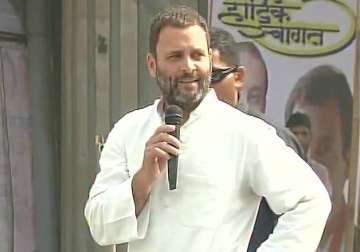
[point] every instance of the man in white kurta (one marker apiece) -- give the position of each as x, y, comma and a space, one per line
227, 162
224, 169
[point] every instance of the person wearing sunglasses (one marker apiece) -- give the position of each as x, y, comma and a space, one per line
231, 79
228, 80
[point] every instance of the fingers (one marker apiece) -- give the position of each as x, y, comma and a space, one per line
165, 128
158, 150
167, 148
161, 144
154, 152
162, 139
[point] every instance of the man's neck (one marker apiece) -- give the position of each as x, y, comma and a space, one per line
162, 108
186, 111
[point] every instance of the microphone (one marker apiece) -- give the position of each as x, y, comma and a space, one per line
173, 116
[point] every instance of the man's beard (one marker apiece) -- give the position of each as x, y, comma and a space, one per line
173, 95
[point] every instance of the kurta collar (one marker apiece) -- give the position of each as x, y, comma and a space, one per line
203, 107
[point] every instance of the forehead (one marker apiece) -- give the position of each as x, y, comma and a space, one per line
179, 38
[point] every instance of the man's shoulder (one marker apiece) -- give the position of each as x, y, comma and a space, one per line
254, 119
135, 117
241, 124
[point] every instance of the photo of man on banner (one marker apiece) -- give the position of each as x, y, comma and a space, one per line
324, 95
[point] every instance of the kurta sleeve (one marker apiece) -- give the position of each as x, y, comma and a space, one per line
110, 209
292, 189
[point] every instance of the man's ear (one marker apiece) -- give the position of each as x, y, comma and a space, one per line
239, 77
151, 64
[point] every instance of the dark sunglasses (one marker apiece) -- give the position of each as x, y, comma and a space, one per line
219, 74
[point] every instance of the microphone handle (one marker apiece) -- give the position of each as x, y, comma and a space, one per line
173, 164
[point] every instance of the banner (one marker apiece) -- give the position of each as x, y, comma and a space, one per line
300, 62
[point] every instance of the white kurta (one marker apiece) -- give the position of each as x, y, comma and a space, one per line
227, 161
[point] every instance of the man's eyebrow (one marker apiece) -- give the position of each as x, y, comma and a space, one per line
200, 49
174, 51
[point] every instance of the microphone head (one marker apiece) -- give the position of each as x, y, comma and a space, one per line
173, 115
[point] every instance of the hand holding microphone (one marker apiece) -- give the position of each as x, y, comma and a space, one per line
162, 147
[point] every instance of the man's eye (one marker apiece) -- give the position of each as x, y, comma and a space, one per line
198, 55
174, 56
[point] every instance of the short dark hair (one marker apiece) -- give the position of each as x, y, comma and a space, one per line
224, 42
298, 119
177, 16
250, 48
320, 85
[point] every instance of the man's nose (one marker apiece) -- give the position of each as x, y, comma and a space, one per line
188, 65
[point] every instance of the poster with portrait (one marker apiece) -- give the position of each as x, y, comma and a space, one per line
300, 59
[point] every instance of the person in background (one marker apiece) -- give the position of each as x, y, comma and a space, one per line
227, 161
299, 124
